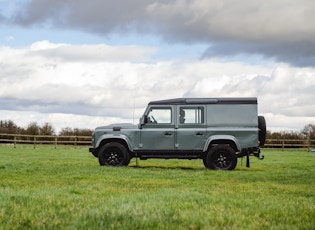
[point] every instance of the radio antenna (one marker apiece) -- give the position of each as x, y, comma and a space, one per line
134, 108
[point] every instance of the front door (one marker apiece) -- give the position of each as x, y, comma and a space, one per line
158, 132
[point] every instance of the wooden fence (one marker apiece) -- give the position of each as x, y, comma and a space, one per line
44, 140
308, 144
75, 141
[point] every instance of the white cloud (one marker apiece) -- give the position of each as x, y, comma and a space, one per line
55, 87
91, 53
281, 122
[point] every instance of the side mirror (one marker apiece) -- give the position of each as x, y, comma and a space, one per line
143, 120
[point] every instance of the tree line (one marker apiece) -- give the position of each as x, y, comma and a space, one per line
46, 129
8, 126
308, 132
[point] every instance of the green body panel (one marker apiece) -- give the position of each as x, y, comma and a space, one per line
157, 138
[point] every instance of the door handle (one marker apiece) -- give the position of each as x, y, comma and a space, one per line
168, 134
199, 134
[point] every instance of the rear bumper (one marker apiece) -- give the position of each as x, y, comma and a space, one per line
251, 151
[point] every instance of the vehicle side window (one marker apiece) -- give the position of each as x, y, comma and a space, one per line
160, 115
191, 115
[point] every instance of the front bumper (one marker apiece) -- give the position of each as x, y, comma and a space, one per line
93, 151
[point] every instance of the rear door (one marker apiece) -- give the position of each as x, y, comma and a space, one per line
190, 127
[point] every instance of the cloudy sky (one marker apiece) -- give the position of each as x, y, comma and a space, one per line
78, 63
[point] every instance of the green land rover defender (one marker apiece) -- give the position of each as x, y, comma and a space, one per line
216, 130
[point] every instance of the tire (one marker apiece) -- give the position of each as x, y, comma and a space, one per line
113, 154
204, 160
262, 130
221, 157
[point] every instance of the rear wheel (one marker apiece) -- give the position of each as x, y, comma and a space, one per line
221, 157
113, 154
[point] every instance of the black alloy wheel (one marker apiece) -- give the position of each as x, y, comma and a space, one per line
113, 154
221, 157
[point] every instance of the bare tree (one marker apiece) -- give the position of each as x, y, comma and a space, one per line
33, 129
47, 129
309, 131
9, 127
75, 132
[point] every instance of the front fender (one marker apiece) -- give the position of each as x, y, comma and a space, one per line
112, 136
221, 138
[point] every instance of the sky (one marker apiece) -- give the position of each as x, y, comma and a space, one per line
83, 64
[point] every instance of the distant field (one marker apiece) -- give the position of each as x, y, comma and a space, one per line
65, 188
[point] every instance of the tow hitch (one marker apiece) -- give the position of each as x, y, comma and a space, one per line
255, 152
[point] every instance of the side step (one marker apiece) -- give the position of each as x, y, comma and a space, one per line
170, 156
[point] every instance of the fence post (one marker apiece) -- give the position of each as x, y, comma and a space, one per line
75, 141
282, 145
14, 144
56, 142
34, 142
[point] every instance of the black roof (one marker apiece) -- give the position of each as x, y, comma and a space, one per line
184, 101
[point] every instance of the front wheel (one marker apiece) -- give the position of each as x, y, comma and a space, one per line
113, 154
221, 157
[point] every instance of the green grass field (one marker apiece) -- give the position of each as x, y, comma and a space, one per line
65, 188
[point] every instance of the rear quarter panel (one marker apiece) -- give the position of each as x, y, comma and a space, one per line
239, 120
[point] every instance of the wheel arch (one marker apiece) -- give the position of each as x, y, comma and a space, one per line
221, 140
104, 139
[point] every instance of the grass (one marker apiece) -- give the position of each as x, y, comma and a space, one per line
65, 188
